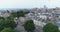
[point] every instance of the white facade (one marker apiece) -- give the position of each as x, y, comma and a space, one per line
43, 16
39, 23
38, 15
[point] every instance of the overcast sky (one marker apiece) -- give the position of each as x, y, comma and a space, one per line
29, 3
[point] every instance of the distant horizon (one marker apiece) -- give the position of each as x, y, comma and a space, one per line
23, 8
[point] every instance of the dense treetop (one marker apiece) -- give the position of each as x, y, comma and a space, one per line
9, 30
19, 14
29, 26
50, 28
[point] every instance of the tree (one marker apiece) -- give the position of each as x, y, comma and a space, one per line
14, 14
2, 18
29, 26
9, 30
10, 17
7, 23
19, 14
50, 28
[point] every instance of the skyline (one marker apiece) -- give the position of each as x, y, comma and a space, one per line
29, 3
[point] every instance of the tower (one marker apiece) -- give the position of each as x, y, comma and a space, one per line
46, 8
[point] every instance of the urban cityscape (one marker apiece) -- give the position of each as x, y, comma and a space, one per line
29, 16
30, 20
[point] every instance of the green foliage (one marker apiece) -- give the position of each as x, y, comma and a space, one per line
16, 31
14, 14
19, 14
7, 23
50, 28
8, 30
2, 18
29, 26
10, 18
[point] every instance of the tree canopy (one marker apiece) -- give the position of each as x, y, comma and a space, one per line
29, 26
6, 23
2, 18
9, 30
10, 17
50, 28
19, 14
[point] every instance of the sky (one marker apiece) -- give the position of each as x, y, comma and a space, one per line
29, 3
